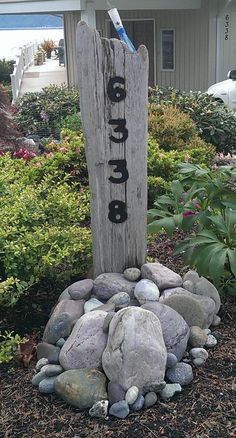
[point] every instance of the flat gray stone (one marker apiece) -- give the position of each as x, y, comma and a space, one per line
132, 274
52, 370
37, 378
171, 360
64, 316
170, 390
81, 388
119, 409
92, 304
208, 304
107, 321
81, 290
211, 341
60, 342
85, 345
145, 291
108, 284
121, 300
191, 309
64, 295
202, 286
216, 321
197, 353
99, 409
46, 386
174, 328
115, 393
108, 307
150, 399
134, 360
162, 276
44, 350
197, 337
182, 373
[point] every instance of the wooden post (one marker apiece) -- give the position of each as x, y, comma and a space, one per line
113, 84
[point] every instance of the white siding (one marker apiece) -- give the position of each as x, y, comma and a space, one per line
226, 50
191, 31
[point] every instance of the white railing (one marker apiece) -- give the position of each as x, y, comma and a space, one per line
24, 59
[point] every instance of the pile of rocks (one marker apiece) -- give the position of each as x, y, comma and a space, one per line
117, 343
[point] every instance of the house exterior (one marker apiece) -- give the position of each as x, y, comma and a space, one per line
191, 43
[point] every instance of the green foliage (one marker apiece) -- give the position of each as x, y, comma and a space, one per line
43, 209
71, 122
215, 123
39, 113
156, 186
204, 201
8, 345
6, 68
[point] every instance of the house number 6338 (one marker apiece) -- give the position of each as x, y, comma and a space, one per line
116, 93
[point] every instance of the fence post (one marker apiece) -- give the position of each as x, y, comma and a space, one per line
113, 85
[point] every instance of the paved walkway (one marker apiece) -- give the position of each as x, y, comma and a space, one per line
40, 76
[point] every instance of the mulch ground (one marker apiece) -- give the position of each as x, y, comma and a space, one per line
205, 408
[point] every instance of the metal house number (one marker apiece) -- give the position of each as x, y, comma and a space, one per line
116, 93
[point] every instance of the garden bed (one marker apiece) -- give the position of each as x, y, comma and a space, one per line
206, 408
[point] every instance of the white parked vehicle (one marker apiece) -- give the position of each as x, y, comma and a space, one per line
225, 91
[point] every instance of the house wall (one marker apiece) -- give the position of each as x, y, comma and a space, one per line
226, 41
191, 49
70, 23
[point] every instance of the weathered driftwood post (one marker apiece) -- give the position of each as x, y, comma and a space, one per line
113, 84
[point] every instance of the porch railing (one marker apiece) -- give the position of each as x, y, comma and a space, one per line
24, 59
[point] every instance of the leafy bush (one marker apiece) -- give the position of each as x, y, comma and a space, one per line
6, 68
39, 113
8, 131
41, 234
206, 200
71, 122
8, 345
215, 123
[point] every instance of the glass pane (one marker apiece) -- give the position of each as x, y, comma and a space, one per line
167, 49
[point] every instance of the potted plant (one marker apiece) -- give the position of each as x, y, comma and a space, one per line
48, 46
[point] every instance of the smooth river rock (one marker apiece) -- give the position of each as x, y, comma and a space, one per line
174, 328
182, 373
145, 291
81, 290
132, 274
85, 345
62, 320
81, 388
108, 284
202, 286
135, 354
162, 276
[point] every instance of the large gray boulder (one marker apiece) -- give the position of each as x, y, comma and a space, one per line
108, 284
207, 303
135, 354
162, 276
201, 286
81, 388
174, 328
64, 316
85, 345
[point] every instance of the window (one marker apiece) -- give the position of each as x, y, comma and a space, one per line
168, 49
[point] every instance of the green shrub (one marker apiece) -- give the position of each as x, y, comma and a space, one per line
6, 68
206, 199
215, 123
39, 113
41, 234
8, 346
156, 186
71, 122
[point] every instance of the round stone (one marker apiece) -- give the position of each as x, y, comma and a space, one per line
197, 337
198, 362
170, 390
199, 353
145, 291
138, 404
40, 364
60, 342
182, 373
52, 370
37, 378
119, 409
81, 290
171, 360
46, 386
131, 395
99, 409
150, 399
211, 341
92, 304
132, 274
216, 321
120, 300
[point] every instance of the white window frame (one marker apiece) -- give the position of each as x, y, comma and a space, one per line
173, 30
